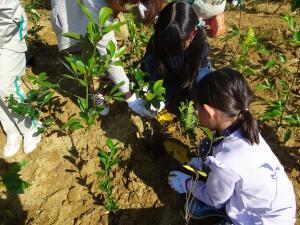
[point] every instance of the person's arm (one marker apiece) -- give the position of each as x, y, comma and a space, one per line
116, 73
219, 186
13, 25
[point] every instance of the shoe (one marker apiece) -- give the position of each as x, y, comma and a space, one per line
12, 145
100, 102
31, 139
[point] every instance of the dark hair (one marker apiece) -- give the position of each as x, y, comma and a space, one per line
228, 91
153, 7
174, 26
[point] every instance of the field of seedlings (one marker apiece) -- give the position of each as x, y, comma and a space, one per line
113, 170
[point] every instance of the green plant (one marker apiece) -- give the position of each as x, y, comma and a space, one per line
90, 64
137, 40
36, 101
294, 38
152, 92
107, 160
277, 112
248, 41
280, 111
34, 17
11, 180
188, 119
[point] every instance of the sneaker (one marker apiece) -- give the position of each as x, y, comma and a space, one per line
12, 145
31, 139
100, 102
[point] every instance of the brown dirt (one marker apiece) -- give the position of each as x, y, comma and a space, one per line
62, 170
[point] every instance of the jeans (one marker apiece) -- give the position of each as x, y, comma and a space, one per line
199, 210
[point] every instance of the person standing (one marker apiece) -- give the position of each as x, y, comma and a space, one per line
13, 29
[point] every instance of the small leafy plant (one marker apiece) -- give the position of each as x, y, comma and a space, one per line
107, 160
188, 119
152, 92
36, 101
89, 64
33, 38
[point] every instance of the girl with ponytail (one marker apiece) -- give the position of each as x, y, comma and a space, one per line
246, 183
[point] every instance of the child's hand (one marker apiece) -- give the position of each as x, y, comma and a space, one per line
177, 180
196, 162
136, 105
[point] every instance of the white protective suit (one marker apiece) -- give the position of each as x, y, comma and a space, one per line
13, 28
66, 17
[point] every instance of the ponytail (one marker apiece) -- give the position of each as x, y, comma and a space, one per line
228, 91
249, 126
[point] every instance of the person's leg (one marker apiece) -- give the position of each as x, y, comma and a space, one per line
13, 124
13, 136
199, 210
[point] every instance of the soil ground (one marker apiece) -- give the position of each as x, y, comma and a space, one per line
62, 170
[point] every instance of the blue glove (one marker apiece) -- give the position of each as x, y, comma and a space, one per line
177, 180
196, 162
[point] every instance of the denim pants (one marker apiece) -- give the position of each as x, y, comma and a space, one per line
199, 210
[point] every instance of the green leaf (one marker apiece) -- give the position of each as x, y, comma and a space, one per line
75, 126
83, 83
295, 4
261, 87
31, 77
117, 63
69, 76
287, 135
48, 97
120, 51
109, 143
273, 113
112, 27
115, 161
116, 87
270, 64
73, 35
150, 96
111, 48
208, 133
158, 88
249, 71
85, 11
104, 13
282, 58
83, 104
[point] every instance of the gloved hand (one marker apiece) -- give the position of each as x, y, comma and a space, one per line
142, 9
155, 110
177, 180
196, 162
136, 105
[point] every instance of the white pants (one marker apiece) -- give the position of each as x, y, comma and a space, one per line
12, 62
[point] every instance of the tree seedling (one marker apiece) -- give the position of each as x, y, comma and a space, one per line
107, 160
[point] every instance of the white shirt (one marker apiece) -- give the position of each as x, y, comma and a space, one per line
249, 181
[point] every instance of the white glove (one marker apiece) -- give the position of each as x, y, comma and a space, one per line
177, 180
196, 162
154, 110
136, 105
142, 9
